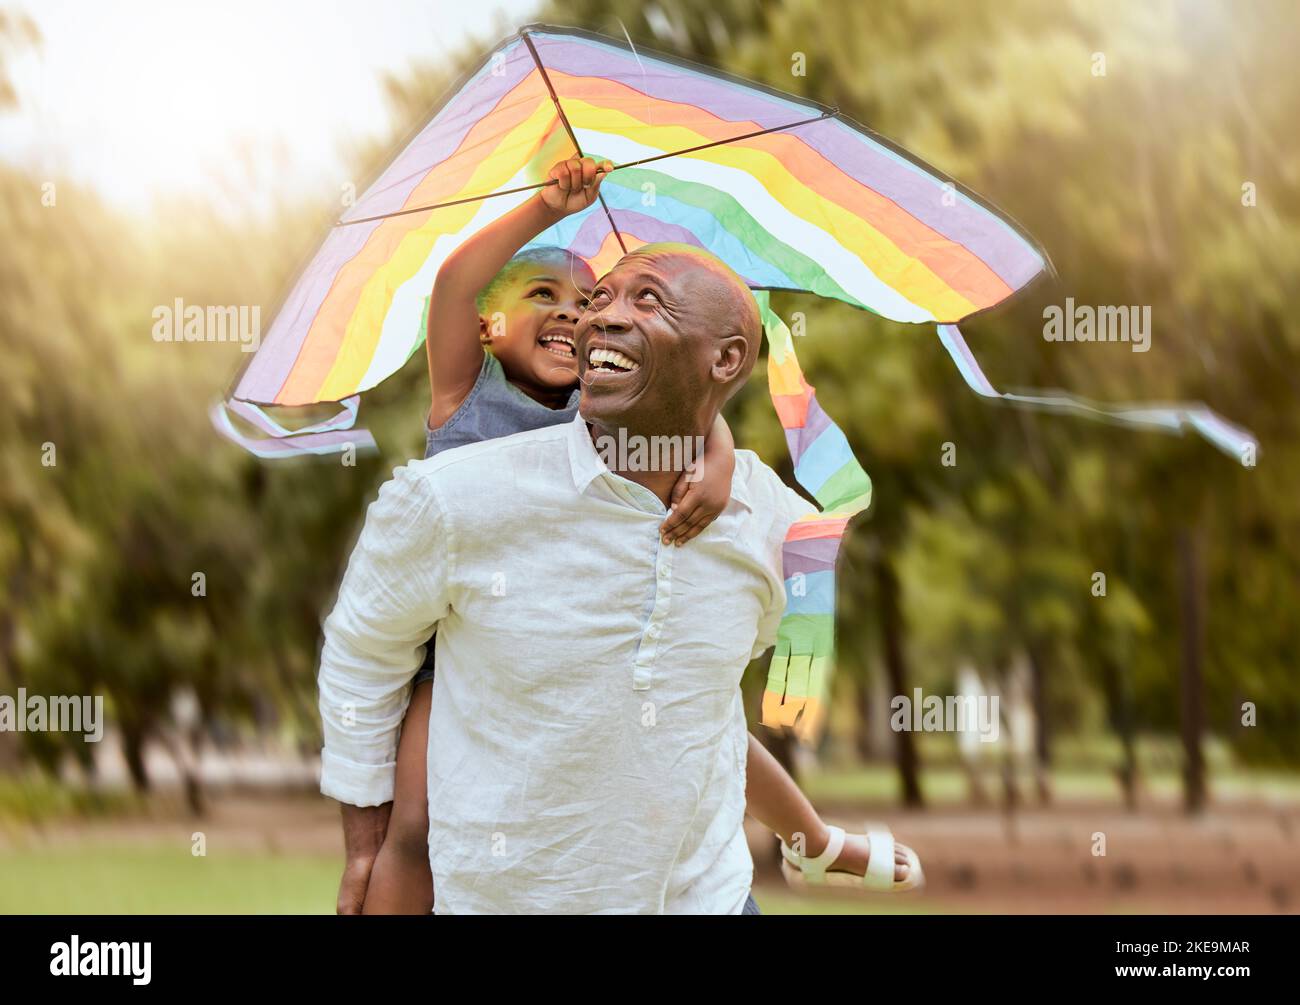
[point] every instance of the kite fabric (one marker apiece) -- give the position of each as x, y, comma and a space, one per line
1232, 440
331, 436
799, 676
791, 194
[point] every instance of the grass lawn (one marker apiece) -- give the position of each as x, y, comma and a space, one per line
112, 856
774, 900
108, 880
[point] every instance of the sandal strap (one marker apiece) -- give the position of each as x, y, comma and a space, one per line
814, 869
880, 861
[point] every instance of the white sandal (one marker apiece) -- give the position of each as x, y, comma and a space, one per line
800, 871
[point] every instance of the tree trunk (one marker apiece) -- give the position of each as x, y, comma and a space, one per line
1042, 733
892, 627
1010, 793
976, 794
1121, 721
183, 749
10, 754
10, 749
862, 737
1128, 771
133, 752
1011, 687
1192, 690
194, 795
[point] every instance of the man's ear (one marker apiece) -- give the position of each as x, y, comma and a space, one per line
730, 360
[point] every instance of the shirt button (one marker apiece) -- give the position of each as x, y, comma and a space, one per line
663, 571
652, 631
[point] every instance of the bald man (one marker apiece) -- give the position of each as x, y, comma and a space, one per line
587, 742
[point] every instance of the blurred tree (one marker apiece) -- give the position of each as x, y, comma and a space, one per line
1170, 180
1149, 148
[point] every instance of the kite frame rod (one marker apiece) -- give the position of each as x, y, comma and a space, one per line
559, 110
617, 167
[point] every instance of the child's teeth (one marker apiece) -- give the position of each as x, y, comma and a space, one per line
552, 343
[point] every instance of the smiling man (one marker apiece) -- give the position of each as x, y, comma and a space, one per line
587, 743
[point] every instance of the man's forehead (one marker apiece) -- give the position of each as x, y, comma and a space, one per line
632, 265
706, 282
666, 266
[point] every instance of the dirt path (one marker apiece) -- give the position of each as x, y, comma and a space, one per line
1242, 860
1246, 860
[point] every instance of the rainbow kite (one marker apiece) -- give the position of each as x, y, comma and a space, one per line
789, 193
799, 676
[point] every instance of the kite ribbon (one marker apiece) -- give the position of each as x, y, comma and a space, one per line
1232, 440
799, 677
330, 436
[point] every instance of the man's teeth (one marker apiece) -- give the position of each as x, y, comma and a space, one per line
610, 359
559, 345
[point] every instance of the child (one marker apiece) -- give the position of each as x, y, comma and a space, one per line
522, 306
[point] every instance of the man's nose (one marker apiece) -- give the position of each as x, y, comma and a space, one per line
610, 319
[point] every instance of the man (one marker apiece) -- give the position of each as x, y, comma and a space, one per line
587, 741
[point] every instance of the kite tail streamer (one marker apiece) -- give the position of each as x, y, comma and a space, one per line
330, 436
1232, 440
798, 681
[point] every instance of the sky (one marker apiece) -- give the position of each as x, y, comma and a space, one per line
146, 98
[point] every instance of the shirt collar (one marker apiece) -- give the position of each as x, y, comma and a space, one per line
586, 465
584, 462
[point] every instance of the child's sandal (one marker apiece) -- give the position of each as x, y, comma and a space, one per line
800, 871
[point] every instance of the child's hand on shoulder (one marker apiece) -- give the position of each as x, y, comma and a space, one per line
696, 502
577, 182
703, 489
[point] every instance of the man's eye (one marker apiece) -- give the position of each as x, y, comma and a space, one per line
650, 293
598, 295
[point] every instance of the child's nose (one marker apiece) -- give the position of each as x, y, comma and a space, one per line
569, 312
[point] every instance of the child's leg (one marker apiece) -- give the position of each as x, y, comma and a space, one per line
775, 801
401, 882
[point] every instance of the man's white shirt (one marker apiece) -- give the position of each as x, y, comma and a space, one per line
587, 741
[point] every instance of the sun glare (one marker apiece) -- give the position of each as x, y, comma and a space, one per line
143, 98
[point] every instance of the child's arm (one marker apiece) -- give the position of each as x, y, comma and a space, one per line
702, 491
454, 351
775, 801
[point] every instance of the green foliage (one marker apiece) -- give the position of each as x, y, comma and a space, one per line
1132, 181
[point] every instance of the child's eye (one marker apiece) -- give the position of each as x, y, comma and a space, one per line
584, 303
544, 291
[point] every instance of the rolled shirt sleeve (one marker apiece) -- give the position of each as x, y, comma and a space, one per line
392, 596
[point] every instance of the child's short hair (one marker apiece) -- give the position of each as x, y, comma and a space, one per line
529, 256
